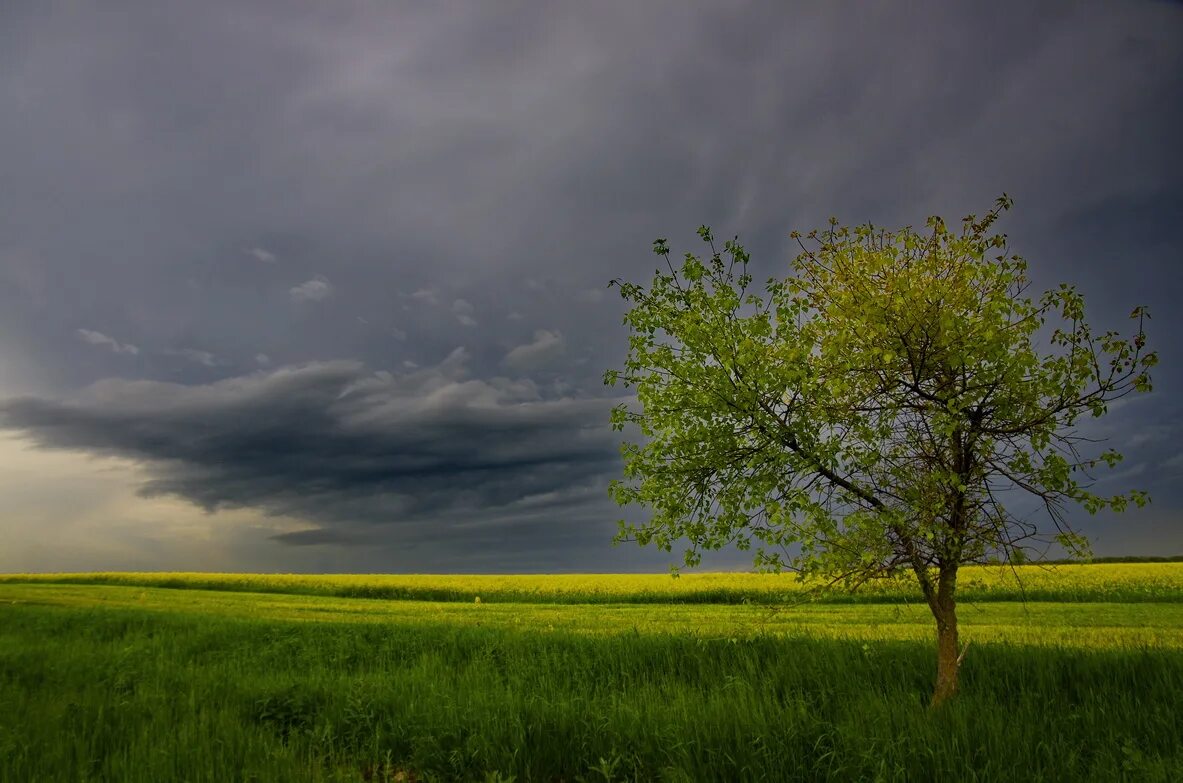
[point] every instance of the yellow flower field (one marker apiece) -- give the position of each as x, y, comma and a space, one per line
1109, 582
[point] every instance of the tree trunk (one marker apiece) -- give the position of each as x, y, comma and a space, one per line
947, 660
948, 657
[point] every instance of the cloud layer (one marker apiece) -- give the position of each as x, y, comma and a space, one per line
366, 457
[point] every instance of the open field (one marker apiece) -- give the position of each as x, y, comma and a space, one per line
106, 677
1119, 582
1079, 625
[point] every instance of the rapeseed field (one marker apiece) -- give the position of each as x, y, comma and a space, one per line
1120, 582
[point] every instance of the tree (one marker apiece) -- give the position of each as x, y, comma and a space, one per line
871, 414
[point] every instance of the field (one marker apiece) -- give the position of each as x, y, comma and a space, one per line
213, 677
1111, 583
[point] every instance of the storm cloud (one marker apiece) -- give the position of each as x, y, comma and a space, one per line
240, 242
425, 453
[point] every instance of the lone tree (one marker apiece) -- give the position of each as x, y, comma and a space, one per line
873, 413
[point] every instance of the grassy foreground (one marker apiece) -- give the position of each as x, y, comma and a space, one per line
131, 682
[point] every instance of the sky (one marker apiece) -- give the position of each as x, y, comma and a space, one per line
305, 286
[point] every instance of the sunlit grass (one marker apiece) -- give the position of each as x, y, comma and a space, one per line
1082, 625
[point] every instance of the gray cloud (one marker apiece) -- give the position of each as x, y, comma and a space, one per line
98, 338
266, 256
196, 176
363, 455
425, 295
204, 358
546, 347
311, 291
463, 311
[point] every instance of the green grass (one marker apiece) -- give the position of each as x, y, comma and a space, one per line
1090, 626
132, 683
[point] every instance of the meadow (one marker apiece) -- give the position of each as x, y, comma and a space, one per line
217, 677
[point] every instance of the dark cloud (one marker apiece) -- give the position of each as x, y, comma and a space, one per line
224, 186
367, 457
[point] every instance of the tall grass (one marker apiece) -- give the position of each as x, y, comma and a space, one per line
127, 695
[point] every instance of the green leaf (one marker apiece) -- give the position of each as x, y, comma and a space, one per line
864, 412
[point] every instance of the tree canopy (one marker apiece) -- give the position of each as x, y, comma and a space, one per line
885, 408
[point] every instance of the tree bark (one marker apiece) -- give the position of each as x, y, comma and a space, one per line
944, 609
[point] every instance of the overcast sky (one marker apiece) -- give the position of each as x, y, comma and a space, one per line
321, 286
